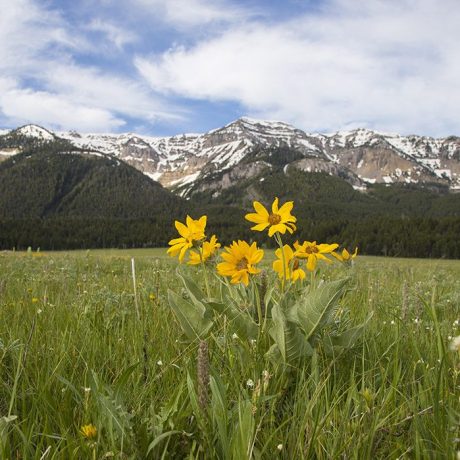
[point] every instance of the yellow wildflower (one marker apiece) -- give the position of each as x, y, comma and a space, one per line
191, 235
152, 296
292, 267
345, 256
208, 249
88, 431
279, 220
240, 260
34, 299
313, 252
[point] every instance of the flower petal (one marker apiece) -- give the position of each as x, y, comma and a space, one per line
286, 209
183, 230
260, 227
275, 206
311, 263
260, 209
281, 228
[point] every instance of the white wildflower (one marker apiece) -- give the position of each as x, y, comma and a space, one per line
455, 344
250, 383
159, 362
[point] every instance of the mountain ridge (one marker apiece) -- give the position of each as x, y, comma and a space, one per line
186, 161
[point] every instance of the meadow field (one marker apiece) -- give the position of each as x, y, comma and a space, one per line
94, 364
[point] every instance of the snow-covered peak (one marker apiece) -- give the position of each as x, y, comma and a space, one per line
183, 159
251, 124
35, 131
354, 138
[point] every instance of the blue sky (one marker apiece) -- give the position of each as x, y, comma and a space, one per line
164, 67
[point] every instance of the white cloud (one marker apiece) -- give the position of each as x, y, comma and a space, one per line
192, 13
23, 106
91, 86
391, 64
116, 35
27, 32
41, 82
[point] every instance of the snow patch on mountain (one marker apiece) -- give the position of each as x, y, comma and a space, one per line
360, 155
36, 132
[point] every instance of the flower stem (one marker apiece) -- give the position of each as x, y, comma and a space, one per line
280, 244
205, 275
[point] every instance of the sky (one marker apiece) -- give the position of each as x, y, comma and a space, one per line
164, 67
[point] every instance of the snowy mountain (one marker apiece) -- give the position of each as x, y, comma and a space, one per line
248, 148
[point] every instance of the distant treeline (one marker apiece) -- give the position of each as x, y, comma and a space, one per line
409, 237
61, 201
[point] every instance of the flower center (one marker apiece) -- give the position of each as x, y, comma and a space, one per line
296, 264
311, 250
242, 264
196, 240
274, 219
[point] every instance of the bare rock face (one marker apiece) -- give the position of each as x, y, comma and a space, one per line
138, 153
231, 177
328, 167
214, 160
383, 165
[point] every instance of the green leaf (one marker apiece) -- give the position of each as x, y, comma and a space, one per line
288, 337
241, 322
194, 319
160, 438
219, 412
192, 395
314, 310
273, 354
243, 434
193, 290
278, 329
349, 337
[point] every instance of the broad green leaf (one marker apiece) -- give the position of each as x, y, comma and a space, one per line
314, 309
193, 317
278, 330
274, 355
193, 290
242, 323
288, 337
347, 338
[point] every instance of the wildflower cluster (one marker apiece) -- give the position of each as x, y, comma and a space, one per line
240, 258
192, 236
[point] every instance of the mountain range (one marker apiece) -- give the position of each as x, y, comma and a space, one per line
386, 194
248, 149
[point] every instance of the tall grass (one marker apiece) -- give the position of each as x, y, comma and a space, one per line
73, 352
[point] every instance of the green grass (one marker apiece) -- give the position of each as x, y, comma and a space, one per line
73, 352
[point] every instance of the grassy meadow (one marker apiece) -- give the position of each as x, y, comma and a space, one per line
80, 345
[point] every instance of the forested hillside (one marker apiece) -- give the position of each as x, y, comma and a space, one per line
55, 197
